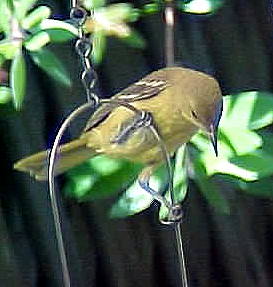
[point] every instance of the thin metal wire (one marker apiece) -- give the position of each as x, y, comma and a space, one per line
54, 203
74, 3
169, 33
169, 55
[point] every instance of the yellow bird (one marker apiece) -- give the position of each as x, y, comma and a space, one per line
181, 101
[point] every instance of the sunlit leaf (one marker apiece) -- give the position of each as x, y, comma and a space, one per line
253, 110
9, 49
118, 12
5, 20
79, 186
209, 189
99, 44
134, 40
258, 162
37, 41
242, 140
135, 199
106, 166
100, 177
200, 6
134, 15
202, 142
180, 184
53, 27
50, 64
2, 60
91, 4
151, 8
5, 94
21, 7
248, 167
59, 35
18, 80
35, 17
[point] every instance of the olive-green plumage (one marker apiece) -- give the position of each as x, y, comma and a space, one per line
180, 100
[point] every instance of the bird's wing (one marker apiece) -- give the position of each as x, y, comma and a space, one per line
145, 88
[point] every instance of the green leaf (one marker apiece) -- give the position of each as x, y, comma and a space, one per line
37, 41
253, 110
134, 15
118, 12
99, 44
200, 6
135, 199
262, 188
180, 183
267, 137
18, 80
209, 189
100, 177
2, 60
91, 4
262, 114
5, 20
106, 166
151, 8
35, 17
50, 64
201, 141
21, 7
258, 162
65, 30
242, 141
249, 167
59, 35
9, 49
5, 94
134, 40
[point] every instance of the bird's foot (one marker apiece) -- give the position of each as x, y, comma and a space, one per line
175, 212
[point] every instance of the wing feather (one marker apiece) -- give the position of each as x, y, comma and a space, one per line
147, 87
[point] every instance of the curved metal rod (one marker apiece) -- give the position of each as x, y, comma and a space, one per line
52, 193
51, 169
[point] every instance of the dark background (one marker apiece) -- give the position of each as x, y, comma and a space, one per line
235, 45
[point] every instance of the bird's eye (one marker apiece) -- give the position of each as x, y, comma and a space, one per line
193, 113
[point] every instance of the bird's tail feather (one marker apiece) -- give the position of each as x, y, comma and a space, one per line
71, 154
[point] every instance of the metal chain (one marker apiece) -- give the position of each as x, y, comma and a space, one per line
83, 48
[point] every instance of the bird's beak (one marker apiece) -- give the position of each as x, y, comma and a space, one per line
213, 138
213, 127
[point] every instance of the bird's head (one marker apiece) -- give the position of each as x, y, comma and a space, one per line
207, 117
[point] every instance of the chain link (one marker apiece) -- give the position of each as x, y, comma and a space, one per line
83, 48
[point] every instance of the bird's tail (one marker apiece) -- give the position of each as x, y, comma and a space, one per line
71, 154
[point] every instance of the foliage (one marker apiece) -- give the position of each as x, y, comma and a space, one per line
27, 28
245, 157
30, 32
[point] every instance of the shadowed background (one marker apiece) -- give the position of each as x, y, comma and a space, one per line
235, 45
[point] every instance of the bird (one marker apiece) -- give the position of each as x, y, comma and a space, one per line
180, 101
